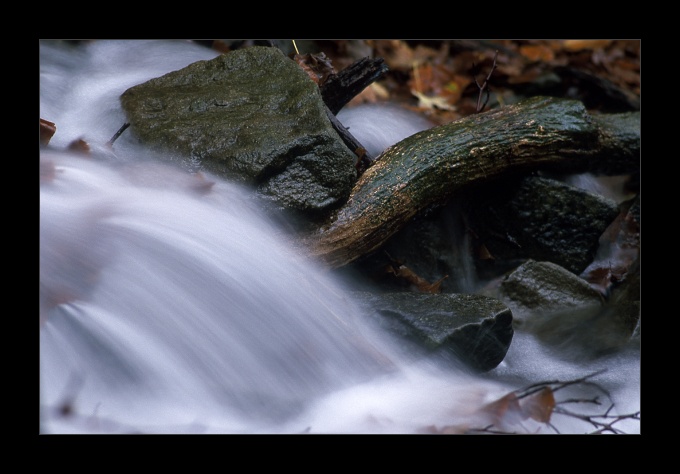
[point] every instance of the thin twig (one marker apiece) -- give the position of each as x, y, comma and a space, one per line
485, 86
118, 134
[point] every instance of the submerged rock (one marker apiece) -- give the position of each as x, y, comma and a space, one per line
476, 329
563, 311
545, 287
251, 115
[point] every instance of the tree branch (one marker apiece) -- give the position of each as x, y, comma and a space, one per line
432, 165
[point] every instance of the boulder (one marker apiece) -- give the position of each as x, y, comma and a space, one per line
253, 116
545, 287
541, 219
566, 313
475, 329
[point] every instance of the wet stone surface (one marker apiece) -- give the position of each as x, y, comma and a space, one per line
254, 116
542, 219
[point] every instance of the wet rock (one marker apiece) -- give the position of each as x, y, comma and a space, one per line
476, 329
545, 287
251, 115
541, 219
565, 312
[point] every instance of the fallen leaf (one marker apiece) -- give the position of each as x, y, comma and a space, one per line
436, 102
536, 52
579, 45
599, 278
317, 66
397, 54
47, 130
79, 146
504, 410
418, 282
539, 406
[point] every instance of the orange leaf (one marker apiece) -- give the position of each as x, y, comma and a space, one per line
418, 282
506, 408
80, 146
579, 45
537, 52
539, 406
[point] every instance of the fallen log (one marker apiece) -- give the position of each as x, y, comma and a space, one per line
540, 133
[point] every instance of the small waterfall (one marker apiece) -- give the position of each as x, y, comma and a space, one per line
170, 303
180, 295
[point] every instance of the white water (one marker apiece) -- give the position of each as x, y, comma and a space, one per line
167, 310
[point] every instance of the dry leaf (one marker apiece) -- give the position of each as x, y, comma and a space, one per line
436, 102
579, 45
599, 278
539, 406
79, 146
317, 66
418, 283
47, 130
504, 410
537, 52
397, 54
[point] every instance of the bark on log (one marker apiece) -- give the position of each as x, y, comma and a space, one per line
430, 166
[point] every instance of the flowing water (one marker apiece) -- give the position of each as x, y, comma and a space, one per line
168, 305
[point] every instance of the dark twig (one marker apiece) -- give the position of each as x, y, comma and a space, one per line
560, 385
485, 86
599, 421
364, 159
118, 134
342, 87
603, 423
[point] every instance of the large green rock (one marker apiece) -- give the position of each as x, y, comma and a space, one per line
254, 116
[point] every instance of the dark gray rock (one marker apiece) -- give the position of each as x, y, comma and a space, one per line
254, 116
566, 313
541, 219
476, 329
545, 287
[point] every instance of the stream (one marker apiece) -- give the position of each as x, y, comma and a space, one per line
168, 309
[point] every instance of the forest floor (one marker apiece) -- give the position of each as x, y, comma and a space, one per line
449, 79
